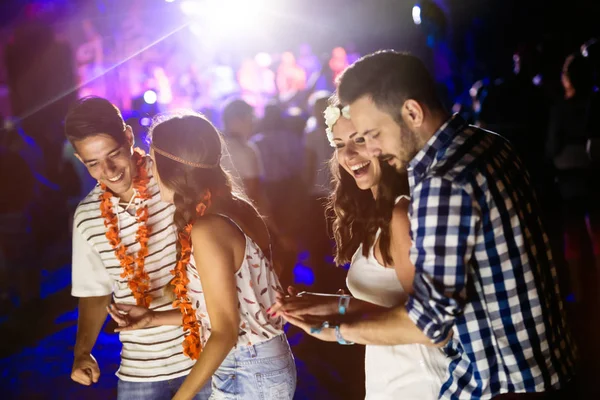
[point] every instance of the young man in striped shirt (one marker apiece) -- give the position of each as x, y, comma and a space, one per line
485, 287
152, 361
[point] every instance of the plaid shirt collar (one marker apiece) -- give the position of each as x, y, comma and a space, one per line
435, 147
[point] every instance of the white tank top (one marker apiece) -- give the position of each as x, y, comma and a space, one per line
370, 281
256, 284
410, 371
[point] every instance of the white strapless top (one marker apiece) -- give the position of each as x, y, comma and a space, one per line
370, 281
411, 371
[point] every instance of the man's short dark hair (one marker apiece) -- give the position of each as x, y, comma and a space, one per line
236, 109
389, 78
92, 116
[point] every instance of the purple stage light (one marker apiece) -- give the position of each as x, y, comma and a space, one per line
150, 96
416, 14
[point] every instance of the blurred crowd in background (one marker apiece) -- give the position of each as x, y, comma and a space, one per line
542, 94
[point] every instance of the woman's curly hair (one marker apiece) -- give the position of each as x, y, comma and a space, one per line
358, 215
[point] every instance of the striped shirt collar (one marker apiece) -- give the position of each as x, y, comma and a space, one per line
435, 147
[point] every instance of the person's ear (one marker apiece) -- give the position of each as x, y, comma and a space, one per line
413, 114
129, 137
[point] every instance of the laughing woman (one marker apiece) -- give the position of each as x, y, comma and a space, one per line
371, 231
224, 278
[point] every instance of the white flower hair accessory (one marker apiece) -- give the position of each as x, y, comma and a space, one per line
332, 115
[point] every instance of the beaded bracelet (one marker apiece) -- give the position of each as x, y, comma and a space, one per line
338, 336
324, 325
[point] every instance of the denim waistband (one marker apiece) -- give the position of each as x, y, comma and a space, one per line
274, 347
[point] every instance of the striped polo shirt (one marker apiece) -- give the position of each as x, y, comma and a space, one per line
152, 354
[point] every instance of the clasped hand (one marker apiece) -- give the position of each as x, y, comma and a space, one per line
129, 316
307, 312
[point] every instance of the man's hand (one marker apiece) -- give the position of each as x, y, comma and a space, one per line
313, 326
130, 317
305, 305
85, 369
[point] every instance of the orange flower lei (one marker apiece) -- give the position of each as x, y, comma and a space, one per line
191, 325
133, 266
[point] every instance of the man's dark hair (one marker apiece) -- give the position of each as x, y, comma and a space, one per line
389, 78
92, 116
236, 109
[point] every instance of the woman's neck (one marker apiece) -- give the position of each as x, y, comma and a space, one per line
374, 191
245, 216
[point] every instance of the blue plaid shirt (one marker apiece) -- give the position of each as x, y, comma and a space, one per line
484, 269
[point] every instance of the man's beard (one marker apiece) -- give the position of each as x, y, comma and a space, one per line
411, 145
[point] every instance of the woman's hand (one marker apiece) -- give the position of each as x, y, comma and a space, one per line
313, 326
130, 316
306, 304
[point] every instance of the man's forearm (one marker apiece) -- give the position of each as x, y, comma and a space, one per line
170, 317
389, 327
92, 314
360, 307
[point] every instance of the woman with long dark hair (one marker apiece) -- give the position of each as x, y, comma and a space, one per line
371, 230
224, 279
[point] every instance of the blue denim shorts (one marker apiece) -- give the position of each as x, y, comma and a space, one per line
264, 371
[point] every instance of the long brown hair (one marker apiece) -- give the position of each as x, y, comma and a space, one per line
194, 139
358, 214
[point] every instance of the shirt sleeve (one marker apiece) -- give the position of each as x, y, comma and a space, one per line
89, 275
443, 227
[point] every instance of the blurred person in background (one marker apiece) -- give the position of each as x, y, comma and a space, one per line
338, 62
576, 175
42, 84
242, 159
18, 278
291, 78
281, 155
312, 67
283, 163
517, 107
318, 151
